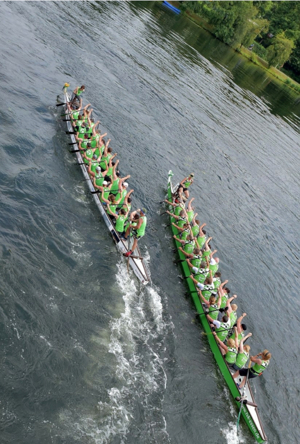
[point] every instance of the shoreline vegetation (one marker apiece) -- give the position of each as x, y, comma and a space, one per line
242, 50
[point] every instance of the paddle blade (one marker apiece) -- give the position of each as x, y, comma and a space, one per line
70, 132
60, 104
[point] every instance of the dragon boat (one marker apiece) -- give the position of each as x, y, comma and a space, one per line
248, 412
136, 261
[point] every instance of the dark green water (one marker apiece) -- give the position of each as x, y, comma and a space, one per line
87, 356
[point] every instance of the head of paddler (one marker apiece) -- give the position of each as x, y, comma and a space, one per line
182, 213
231, 343
143, 211
208, 280
129, 200
218, 274
122, 211
191, 175
86, 136
227, 290
82, 88
98, 169
234, 307
125, 185
94, 155
225, 318
105, 183
204, 231
92, 120
80, 117
247, 348
112, 198
203, 265
109, 149
212, 300
196, 251
107, 178
244, 327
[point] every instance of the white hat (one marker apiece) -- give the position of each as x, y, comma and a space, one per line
125, 184
105, 183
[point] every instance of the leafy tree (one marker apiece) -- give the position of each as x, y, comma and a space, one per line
279, 51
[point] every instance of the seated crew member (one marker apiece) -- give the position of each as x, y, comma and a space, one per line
195, 226
93, 164
221, 327
212, 305
105, 188
120, 217
188, 244
243, 354
214, 262
200, 273
88, 154
137, 231
190, 211
231, 310
206, 250
195, 257
217, 280
178, 207
184, 231
98, 176
118, 181
230, 350
181, 218
223, 293
77, 94
106, 156
260, 365
201, 238
111, 202
122, 193
241, 328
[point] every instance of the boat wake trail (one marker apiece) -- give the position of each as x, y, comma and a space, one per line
137, 343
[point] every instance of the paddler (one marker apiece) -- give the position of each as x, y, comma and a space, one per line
241, 327
229, 351
221, 327
137, 231
188, 244
185, 184
212, 305
98, 176
243, 354
120, 217
178, 207
261, 362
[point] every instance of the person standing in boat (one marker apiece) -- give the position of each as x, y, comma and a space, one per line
261, 362
137, 231
77, 94
185, 184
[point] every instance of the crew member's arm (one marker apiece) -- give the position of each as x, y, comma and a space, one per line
239, 322
241, 346
189, 255
221, 344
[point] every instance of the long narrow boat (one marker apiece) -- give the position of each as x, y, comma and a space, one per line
137, 262
249, 413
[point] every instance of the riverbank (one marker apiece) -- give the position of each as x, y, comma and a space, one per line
245, 52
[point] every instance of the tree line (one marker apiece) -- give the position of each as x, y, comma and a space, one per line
270, 28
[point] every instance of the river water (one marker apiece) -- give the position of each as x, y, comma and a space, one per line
87, 356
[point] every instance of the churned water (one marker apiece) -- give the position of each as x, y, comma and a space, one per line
87, 355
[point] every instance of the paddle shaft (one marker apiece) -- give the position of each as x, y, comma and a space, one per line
240, 412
